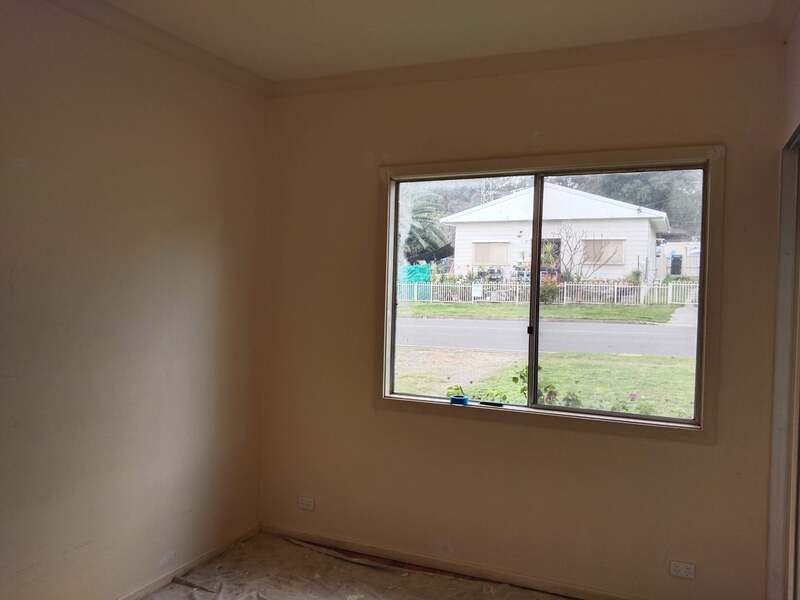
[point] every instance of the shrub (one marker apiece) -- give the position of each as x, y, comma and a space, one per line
571, 399
634, 277
548, 292
547, 394
633, 404
521, 378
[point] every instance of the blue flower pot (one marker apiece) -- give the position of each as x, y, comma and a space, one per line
459, 400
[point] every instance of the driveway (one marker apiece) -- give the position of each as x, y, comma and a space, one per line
676, 338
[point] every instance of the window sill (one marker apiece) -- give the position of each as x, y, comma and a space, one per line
552, 412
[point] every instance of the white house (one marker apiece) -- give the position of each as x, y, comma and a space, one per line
590, 235
678, 259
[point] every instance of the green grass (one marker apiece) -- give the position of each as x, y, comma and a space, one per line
628, 383
632, 383
650, 313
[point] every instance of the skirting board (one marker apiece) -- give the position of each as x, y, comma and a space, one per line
186, 567
459, 567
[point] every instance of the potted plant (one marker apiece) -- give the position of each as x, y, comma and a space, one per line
457, 395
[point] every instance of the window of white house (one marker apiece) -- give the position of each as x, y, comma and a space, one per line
490, 253
603, 252
579, 312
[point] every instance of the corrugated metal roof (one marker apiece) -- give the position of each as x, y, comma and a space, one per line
561, 204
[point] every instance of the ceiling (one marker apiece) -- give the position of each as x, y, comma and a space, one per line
299, 39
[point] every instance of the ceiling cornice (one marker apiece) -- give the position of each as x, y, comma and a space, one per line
774, 29
543, 60
124, 23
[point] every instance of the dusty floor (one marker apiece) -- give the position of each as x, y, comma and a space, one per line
270, 568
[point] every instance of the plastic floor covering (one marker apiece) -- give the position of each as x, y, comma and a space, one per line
267, 567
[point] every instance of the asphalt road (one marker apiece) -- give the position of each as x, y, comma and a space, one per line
666, 339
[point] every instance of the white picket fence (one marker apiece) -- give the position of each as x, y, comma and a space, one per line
679, 292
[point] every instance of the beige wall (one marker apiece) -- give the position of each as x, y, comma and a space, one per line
792, 81
592, 506
129, 331
131, 195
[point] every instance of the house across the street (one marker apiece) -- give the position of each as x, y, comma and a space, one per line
678, 258
584, 235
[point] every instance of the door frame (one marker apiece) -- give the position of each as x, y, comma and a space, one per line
782, 541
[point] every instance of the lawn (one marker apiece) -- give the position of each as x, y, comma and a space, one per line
649, 313
653, 385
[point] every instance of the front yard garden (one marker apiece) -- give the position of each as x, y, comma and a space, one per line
632, 383
648, 313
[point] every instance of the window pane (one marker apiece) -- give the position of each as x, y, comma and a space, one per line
603, 252
490, 254
618, 299
463, 260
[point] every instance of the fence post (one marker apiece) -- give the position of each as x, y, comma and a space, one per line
642, 293
415, 291
669, 293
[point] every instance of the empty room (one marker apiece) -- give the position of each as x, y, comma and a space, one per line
388, 300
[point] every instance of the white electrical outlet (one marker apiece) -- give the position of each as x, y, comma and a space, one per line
305, 503
684, 570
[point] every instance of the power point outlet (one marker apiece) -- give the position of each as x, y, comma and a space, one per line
684, 570
305, 503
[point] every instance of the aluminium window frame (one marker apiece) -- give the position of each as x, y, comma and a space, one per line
710, 158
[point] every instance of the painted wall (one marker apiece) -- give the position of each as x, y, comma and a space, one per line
637, 236
130, 321
638, 244
690, 253
517, 234
600, 507
129, 312
792, 109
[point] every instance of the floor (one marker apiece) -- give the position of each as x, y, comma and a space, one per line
266, 567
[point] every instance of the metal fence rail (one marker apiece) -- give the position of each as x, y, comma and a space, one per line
678, 292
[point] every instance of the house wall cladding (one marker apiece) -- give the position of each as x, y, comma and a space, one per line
639, 242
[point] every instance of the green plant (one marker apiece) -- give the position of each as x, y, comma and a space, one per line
634, 277
548, 394
521, 378
548, 292
679, 279
424, 237
494, 395
455, 390
548, 258
633, 404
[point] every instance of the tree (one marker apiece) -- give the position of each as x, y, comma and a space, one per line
678, 193
455, 195
576, 264
423, 235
